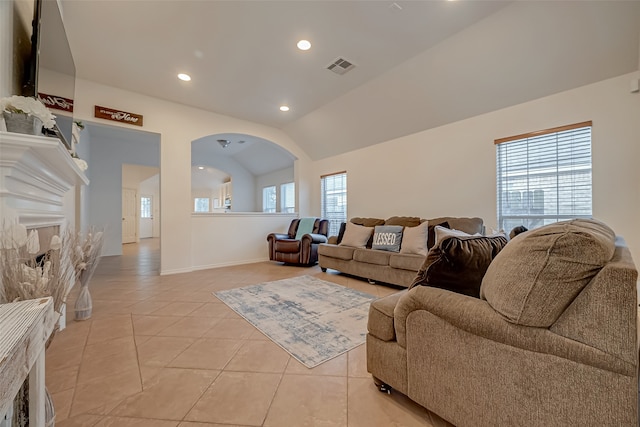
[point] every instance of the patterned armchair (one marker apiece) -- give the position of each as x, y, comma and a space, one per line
304, 251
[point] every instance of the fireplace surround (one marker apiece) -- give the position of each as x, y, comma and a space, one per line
37, 182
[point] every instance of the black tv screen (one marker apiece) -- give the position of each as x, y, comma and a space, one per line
26, 17
56, 71
43, 59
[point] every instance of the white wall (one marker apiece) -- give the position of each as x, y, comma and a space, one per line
451, 170
234, 238
178, 125
276, 178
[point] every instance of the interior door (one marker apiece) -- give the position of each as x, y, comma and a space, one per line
129, 224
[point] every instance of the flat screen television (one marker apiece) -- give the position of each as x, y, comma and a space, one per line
48, 68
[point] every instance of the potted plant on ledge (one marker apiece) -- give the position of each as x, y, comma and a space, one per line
26, 115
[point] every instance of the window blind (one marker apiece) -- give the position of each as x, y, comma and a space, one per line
334, 200
269, 199
145, 207
288, 197
544, 177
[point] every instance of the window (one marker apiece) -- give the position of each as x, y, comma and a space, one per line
269, 199
334, 200
288, 197
544, 177
201, 204
145, 207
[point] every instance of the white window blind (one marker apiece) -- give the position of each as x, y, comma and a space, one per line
334, 200
269, 199
288, 197
544, 177
201, 204
145, 207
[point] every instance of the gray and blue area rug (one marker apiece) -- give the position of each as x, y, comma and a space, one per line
311, 319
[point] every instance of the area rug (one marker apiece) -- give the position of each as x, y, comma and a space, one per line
313, 320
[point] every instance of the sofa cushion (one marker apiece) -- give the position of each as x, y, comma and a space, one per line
540, 272
356, 236
458, 263
405, 221
336, 251
387, 238
408, 262
380, 322
468, 225
367, 222
287, 246
372, 256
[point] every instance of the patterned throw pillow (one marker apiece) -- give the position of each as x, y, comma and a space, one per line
387, 237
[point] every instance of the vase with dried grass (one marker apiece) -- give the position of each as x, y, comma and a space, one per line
85, 257
26, 274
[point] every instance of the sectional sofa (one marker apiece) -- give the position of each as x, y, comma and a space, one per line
551, 339
396, 268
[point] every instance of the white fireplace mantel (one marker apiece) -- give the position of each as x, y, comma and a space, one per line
35, 174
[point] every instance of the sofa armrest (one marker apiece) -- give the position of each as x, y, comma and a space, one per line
314, 238
333, 240
477, 317
277, 236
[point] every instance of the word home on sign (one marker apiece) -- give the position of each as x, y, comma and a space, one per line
56, 102
117, 115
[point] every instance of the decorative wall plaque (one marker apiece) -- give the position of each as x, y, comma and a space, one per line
118, 116
56, 102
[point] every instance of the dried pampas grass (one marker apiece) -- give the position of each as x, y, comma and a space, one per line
85, 256
26, 275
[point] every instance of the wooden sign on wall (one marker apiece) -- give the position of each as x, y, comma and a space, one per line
118, 116
56, 102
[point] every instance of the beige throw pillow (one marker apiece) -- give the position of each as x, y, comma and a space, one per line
442, 233
356, 236
414, 239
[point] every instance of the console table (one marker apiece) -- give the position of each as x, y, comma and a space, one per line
25, 327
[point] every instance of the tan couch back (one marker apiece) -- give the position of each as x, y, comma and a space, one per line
539, 273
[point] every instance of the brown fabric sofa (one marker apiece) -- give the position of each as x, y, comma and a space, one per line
383, 266
552, 340
304, 251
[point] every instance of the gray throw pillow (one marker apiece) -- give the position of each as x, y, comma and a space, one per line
387, 238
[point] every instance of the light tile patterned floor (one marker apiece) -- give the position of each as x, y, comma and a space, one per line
162, 351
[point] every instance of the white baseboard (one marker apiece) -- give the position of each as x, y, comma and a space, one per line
229, 264
176, 271
210, 266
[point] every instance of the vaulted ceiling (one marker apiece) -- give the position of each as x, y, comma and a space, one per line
418, 64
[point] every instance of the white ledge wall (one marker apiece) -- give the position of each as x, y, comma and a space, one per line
223, 239
178, 125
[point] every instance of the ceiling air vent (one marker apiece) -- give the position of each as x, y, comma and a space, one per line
340, 66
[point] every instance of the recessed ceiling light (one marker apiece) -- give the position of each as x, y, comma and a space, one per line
184, 77
201, 167
284, 108
304, 45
